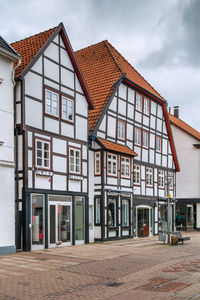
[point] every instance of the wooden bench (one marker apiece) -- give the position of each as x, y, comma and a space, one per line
180, 238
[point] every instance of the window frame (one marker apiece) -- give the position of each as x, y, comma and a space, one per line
137, 184
145, 132
95, 172
116, 217
61, 111
136, 108
125, 176
112, 175
139, 129
160, 138
146, 99
95, 211
80, 159
129, 213
159, 186
171, 174
50, 153
124, 123
47, 89
146, 176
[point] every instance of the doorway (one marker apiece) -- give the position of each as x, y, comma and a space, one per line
60, 223
142, 221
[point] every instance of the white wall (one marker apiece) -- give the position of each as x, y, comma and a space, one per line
7, 204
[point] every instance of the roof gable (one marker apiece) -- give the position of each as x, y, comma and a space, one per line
184, 126
103, 66
32, 47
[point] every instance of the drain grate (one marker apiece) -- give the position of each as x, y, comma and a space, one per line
112, 284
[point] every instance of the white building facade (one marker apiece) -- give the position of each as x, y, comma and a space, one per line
7, 162
187, 141
52, 105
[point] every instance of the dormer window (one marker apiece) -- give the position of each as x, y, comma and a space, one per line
51, 103
121, 130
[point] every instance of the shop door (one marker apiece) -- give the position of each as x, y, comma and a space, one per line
143, 222
60, 224
37, 222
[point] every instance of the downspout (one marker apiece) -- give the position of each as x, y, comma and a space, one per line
13, 72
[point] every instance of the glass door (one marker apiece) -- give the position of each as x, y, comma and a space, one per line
60, 224
37, 219
79, 220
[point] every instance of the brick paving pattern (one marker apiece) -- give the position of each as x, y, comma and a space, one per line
130, 269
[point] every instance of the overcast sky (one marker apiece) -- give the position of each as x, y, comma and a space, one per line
161, 39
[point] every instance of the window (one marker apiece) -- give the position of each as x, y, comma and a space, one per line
171, 180
136, 175
149, 176
125, 212
146, 106
125, 167
145, 139
121, 130
67, 109
138, 136
74, 161
112, 164
158, 143
52, 103
97, 210
161, 179
139, 102
112, 213
97, 163
42, 154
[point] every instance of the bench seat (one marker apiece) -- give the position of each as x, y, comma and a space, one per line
180, 237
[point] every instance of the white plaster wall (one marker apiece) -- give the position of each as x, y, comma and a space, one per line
67, 129
33, 85
33, 113
67, 78
51, 125
59, 164
111, 126
74, 185
7, 198
81, 128
51, 70
131, 96
122, 91
122, 107
188, 179
113, 104
52, 52
81, 105
59, 182
59, 146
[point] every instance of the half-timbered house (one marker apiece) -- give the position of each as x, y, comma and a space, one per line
133, 161
51, 111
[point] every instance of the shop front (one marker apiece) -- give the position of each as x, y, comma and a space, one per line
143, 221
163, 216
53, 218
185, 216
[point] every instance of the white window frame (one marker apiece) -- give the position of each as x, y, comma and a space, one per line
43, 142
149, 176
51, 103
161, 179
138, 137
171, 183
137, 172
146, 106
97, 160
121, 129
145, 145
125, 167
73, 171
113, 160
158, 144
68, 101
138, 105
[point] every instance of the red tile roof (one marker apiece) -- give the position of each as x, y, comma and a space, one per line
117, 147
102, 65
184, 126
29, 47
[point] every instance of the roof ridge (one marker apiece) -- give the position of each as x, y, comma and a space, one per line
34, 35
134, 68
113, 56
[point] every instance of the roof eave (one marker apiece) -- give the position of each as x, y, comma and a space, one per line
8, 54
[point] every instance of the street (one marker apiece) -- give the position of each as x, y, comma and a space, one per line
126, 269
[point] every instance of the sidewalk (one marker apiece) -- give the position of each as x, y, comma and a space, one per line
126, 269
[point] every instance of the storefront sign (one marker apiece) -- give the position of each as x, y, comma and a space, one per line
76, 177
44, 173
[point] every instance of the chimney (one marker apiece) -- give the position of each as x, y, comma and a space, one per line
176, 112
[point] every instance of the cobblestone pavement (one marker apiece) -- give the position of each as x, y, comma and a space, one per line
129, 269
